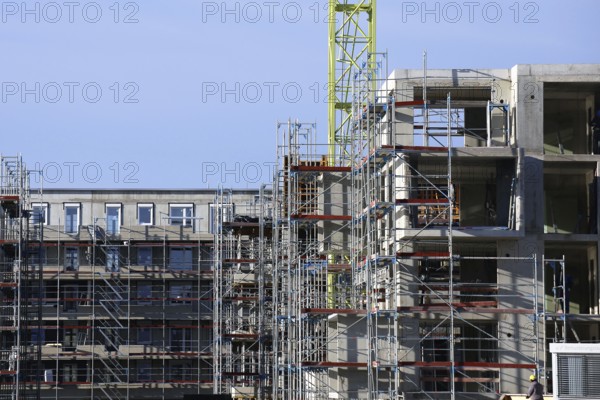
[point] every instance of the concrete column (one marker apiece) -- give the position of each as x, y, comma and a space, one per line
402, 191
516, 291
409, 349
528, 97
403, 117
347, 342
334, 199
596, 257
533, 202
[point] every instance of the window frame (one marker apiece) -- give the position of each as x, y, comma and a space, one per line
144, 370
68, 252
142, 299
145, 248
178, 291
78, 217
37, 335
38, 258
143, 205
181, 370
182, 264
69, 372
140, 333
180, 339
113, 254
186, 220
70, 303
119, 206
206, 258
45, 213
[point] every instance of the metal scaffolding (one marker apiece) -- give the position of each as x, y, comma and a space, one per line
436, 307
374, 297
111, 308
20, 316
373, 250
312, 279
125, 309
242, 296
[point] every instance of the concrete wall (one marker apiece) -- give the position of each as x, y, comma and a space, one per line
161, 310
93, 204
523, 87
335, 200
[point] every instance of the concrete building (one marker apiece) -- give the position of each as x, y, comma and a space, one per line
458, 242
455, 239
125, 299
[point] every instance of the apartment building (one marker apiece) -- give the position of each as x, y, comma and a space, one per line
125, 295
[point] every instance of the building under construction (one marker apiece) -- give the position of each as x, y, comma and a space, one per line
110, 294
449, 239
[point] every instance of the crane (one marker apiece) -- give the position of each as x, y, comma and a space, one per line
351, 43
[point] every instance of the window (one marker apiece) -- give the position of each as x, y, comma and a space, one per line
144, 370
40, 214
37, 336
206, 258
70, 295
181, 214
69, 339
34, 293
112, 259
180, 258
37, 257
181, 371
72, 217
180, 339
144, 335
71, 259
69, 372
145, 214
144, 256
113, 219
50, 294
180, 294
144, 293
212, 210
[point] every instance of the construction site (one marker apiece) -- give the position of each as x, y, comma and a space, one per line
439, 241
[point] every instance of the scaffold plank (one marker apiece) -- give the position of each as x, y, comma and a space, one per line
333, 311
461, 288
12, 198
410, 103
339, 267
321, 217
332, 364
466, 365
417, 149
319, 168
423, 254
460, 305
463, 379
424, 202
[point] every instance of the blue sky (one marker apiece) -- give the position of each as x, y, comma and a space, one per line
186, 94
